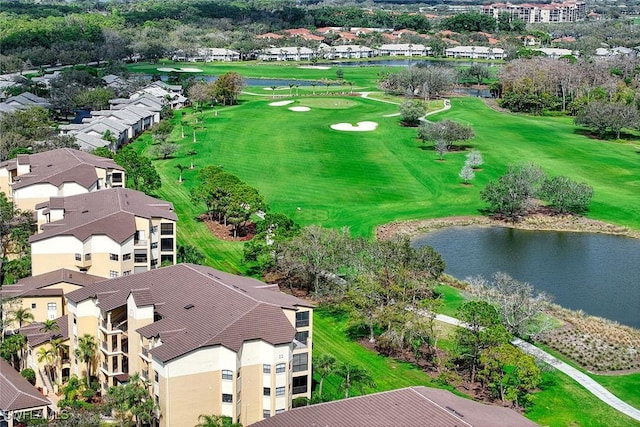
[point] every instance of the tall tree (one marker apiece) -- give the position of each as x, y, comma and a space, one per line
87, 351
134, 399
566, 195
512, 195
141, 174
353, 376
324, 365
216, 421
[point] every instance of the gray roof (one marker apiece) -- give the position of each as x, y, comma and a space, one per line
32, 286
407, 407
61, 165
199, 307
109, 212
17, 393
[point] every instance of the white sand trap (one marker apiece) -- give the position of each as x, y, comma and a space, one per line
300, 109
361, 126
190, 70
315, 67
278, 88
166, 70
281, 103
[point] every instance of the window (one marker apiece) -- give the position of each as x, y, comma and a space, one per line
302, 319
266, 413
300, 384
302, 337
154, 263
116, 177
140, 257
280, 391
155, 376
166, 258
227, 374
139, 237
154, 229
166, 244
51, 306
33, 305
266, 369
279, 411
266, 391
114, 257
113, 273
87, 257
126, 273
126, 257
154, 245
300, 362
227, 398
166, 229
78, 257
280, 368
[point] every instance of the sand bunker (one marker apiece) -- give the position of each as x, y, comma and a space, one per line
361, 126
315, 67
179, 70
300, 109
280, 103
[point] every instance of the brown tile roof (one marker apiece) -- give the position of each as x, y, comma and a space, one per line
269, 36
110, 212
407, 407
59, 166
199, 307
35, 336
16, 392
32, 286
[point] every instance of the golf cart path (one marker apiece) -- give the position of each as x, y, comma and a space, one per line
584, 380
447, 105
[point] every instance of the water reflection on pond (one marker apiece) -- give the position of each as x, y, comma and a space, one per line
597, 273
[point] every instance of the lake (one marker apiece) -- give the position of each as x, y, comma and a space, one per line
596, 273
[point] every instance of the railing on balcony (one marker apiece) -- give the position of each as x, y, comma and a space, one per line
114, 327
299, 389
140, 258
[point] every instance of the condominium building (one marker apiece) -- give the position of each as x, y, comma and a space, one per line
30, 179
42, 295
20, 402
536, 13
111, 233
208, 342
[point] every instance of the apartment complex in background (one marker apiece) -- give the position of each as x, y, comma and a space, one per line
111, 233
532, 13
208, 342
30, 179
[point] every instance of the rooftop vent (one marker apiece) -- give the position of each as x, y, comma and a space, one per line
189, 306
85, 211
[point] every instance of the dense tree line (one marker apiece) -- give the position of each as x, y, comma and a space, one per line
424, 82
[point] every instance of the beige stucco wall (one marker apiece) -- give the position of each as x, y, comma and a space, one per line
184, 398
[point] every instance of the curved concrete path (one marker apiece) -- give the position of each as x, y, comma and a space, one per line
584, 380
447, 105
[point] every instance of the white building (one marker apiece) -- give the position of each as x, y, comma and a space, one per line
289, 53
404, 49
475, 52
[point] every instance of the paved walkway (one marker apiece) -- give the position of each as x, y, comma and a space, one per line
584, 380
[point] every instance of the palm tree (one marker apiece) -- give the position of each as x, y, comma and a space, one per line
353, 375
191, 153
86, 351
49, 326
290, 89
314, 84
273, 92
216, 421
325, 364
182, 168
22, 316
56, 348
46, 355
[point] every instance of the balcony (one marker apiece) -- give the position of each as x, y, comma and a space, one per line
113, 328
144, 353
140, 258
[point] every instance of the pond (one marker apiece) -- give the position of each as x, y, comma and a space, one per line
596, 273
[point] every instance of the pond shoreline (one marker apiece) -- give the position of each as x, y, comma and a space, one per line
539, 222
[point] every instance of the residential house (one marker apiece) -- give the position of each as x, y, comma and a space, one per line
554, 52
475, 52
19, 400
407, 407
404, 49
43, 295
30, 179
347, 51
530, 13
207, 54
22, 102
116, 232
208, 342
286, 54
